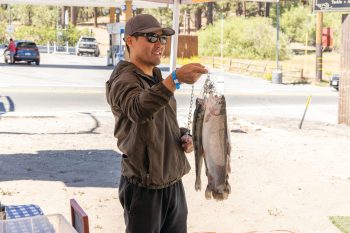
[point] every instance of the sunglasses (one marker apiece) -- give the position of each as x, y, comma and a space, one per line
152, 37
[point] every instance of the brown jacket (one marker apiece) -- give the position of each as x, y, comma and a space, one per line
146, 127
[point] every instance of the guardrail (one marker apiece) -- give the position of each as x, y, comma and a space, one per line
56, 49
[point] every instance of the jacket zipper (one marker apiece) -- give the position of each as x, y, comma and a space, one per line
147, 164
147, 179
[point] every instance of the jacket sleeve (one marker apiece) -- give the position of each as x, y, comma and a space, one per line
137, 103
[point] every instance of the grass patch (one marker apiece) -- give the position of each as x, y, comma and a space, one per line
342, 222
323, 83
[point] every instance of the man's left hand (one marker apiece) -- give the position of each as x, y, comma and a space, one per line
187, 143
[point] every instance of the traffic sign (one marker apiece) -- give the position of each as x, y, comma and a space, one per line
332, 5
10, 29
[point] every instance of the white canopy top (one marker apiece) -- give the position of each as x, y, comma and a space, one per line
92, 3
110, 3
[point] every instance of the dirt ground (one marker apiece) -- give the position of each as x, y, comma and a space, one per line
282, 178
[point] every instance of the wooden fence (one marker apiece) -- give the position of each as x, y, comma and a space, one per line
255, 68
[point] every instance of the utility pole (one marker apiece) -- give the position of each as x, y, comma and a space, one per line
74, 14
128, 11
344, 85
319, 26
128, 15
112, 15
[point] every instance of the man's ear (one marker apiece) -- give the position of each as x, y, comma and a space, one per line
129, 41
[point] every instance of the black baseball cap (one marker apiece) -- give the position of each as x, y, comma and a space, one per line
145, 23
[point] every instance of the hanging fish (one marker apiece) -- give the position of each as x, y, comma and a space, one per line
197, 126
212, 143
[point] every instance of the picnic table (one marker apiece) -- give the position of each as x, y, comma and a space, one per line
31, 219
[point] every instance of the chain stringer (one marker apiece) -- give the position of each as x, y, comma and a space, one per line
208, 88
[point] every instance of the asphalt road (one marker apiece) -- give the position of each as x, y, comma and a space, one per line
68, 83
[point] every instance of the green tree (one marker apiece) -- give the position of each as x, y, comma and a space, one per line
296, 22
243, 38
23, 13
3, 33
163, 14
45, 16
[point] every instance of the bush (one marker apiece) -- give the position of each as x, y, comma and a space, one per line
253, 38
268, 76
42, 35
3, 34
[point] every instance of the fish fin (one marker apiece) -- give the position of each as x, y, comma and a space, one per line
208, 193
228, 188
198, 184
220, 196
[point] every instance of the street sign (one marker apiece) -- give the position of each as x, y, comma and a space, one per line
332, 5
115, 28
10, 29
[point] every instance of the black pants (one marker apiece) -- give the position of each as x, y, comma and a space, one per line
153, 210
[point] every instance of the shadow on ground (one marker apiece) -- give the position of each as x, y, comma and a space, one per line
75, 168
61, 66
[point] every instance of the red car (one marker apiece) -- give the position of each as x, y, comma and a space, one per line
25, 51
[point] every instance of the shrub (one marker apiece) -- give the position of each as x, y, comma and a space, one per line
42, 35
268, 76
253, 38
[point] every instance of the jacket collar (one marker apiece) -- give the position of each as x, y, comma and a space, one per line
156, 72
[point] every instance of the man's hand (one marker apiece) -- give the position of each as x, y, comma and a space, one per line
190, 73
187, 143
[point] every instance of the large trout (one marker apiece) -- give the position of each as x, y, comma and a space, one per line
211, 142
197, 126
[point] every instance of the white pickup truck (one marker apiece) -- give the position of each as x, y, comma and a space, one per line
87, 45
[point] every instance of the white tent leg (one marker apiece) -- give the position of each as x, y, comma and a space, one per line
175, 38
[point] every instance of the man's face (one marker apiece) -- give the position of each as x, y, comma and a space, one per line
144, 51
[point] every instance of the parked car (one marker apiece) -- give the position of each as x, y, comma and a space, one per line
334, 81
87, 45
25, 51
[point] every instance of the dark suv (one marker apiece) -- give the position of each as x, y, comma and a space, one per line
25, 51
334, 81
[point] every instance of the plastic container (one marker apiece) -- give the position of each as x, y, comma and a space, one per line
55, 223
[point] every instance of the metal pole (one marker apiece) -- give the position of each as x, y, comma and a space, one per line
307, 105
319, 46
10, 21
175, 38
278, 36
221, 78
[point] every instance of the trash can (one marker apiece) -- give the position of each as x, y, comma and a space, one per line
276, 77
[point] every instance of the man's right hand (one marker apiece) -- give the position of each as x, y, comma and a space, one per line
190, 73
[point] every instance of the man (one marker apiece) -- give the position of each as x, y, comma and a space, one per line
143, 104
12, 49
